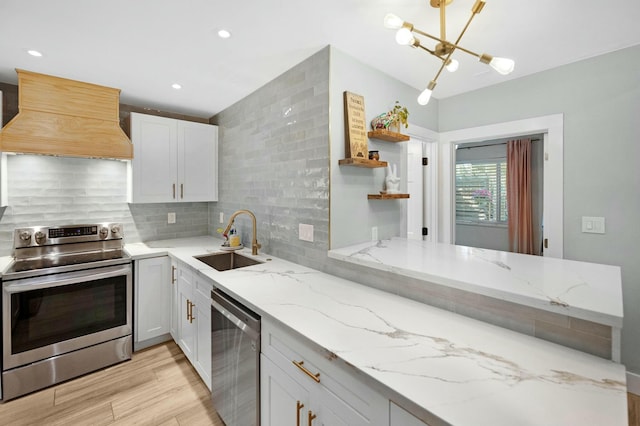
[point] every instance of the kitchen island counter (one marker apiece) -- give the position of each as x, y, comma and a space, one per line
433, 362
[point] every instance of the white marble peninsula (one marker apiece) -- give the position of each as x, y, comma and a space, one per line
442, 367
585, 296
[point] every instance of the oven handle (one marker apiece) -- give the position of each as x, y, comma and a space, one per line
49, 281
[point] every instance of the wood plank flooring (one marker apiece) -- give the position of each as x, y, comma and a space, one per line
633, 401
157, 387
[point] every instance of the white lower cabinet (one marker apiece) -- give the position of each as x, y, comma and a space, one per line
299, 386
153, 301
193, 320
398, 416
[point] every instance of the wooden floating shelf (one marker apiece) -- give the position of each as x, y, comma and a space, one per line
361, 162
386, 196
387, 135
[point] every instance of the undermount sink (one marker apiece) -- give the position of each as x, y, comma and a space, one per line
227, 260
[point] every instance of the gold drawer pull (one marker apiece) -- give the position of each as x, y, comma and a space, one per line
299, 406
311, 417
315, 377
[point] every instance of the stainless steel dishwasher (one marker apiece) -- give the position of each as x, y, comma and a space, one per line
235, 361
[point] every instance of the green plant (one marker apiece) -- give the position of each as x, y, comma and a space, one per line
400, 114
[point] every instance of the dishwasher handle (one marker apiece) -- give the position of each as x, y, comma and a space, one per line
247, 321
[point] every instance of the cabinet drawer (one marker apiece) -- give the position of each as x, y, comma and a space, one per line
335, 380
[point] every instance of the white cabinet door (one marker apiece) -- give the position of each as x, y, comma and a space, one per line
197, 161
173, 160
186, 329
202, 323
283, 401
175, 300
153, 297
154, 170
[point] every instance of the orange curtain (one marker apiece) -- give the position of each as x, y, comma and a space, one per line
519, 207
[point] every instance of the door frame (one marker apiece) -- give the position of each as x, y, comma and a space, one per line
552, 128
429, 209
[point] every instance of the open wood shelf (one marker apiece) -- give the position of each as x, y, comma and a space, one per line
386, 196
362, 162
387, 135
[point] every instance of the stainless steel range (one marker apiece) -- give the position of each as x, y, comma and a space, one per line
66, 305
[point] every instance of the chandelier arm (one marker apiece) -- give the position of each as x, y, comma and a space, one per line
465, 27
444, 62
455, 46
433, 53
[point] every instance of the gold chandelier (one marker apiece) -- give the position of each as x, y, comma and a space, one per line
443, 48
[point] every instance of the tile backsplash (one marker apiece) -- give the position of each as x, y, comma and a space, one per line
48, 190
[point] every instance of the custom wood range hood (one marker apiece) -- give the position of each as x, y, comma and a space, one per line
65, 117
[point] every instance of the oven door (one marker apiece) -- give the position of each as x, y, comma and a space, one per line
54, 314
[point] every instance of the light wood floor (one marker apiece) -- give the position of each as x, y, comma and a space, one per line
157, 387
634, 409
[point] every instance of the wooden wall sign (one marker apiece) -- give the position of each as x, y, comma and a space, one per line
355, 134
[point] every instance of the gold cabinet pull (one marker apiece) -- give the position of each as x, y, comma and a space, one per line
181, 191
174, 191
191, 312
299, 406
300, 365
173, 274
311, 417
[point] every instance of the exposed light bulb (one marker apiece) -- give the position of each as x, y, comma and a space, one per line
453, 65
503, 65
404, 37
176, 86
392, 21
424, 97
224, 34
34, 53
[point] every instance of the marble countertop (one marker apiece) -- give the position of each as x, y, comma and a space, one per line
583, 290
461, 370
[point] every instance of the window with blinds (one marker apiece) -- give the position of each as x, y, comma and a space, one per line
481, 192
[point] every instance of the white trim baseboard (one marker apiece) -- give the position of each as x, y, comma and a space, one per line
633, 383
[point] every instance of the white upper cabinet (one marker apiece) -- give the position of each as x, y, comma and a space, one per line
173, 160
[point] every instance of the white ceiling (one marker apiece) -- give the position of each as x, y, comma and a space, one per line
143, 46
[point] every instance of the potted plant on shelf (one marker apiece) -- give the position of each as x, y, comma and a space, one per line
394, 118
399, 115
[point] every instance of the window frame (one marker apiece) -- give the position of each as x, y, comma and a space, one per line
489, 223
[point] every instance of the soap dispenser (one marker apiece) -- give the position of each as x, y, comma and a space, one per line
234, 237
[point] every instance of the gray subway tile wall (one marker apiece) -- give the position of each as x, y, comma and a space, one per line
274, 160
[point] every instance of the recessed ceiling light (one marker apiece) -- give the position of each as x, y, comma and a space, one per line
224, 34
34, 53
176, 86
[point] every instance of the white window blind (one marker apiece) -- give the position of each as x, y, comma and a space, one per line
481, 191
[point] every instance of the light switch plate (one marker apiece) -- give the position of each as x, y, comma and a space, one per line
171, 218
593, 225
305, 232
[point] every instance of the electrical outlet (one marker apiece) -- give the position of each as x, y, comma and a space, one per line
374, 233
221, 217
171, 217
305, 232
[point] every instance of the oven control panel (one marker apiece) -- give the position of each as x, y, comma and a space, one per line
53, 235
